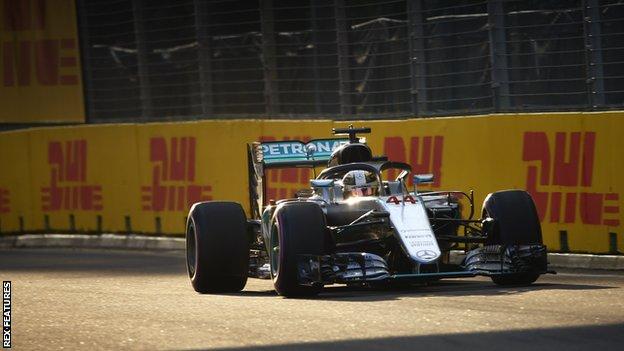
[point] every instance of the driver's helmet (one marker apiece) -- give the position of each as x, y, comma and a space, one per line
360, 183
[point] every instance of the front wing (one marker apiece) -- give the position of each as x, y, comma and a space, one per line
367, 268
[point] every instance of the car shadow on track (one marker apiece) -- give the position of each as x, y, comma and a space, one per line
446, 289
604, 337
442, 288
252, 293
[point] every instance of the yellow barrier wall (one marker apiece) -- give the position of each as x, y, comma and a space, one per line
39, 62
570, 163
142, 177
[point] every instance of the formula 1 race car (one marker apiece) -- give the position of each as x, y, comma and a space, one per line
354, 227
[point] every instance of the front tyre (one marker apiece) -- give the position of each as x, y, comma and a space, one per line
515, 218
515, 223
217, 247
298, 229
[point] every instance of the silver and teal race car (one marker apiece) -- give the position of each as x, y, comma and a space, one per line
354, 227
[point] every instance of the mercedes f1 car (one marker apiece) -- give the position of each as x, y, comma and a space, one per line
354, 227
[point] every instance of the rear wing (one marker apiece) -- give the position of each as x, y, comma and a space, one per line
284, 154
295, 153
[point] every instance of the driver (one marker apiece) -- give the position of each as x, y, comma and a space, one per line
360, 183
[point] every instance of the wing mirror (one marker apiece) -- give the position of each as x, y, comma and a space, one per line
423, 178
324, 187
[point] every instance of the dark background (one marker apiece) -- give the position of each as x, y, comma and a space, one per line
190, 59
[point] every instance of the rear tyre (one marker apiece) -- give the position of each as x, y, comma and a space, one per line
299, 228
217, 247
515, 223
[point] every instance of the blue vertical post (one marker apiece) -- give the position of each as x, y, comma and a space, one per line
143, 73
498, 55
342, 39
204, 56
417, 57
271, 91
593, 47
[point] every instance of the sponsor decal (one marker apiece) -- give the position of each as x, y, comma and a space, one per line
6, 314
34, 61
426, 254
560, 179
173, 186
68, 188
296, 149
5, 200
423, 153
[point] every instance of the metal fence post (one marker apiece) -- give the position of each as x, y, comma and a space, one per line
204, 56
315, 61
141, 47
498, 57
593, 47
85, 56
418, 60
271, 91
342, 39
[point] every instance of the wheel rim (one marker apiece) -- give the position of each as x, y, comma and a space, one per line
190, 249
274, 250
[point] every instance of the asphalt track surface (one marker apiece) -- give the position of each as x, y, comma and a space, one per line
92, 299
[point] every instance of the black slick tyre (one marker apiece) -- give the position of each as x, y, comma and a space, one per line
515, 222
217, 247
298, 228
